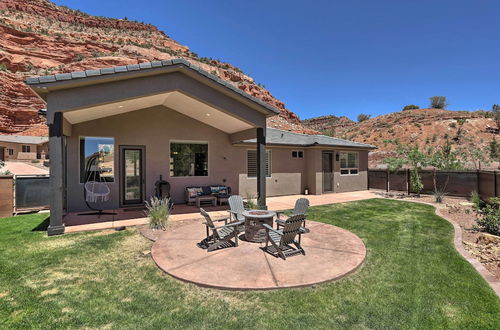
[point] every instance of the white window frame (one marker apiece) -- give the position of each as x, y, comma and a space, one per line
350, 169
187, 142
269, 158
299, 152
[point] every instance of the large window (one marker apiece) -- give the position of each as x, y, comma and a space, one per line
188, 159
349, 163
26, 148
100, 151
252, 163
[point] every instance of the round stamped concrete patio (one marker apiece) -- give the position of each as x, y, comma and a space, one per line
331, 253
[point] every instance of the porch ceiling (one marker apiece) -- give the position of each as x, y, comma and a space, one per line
177, 101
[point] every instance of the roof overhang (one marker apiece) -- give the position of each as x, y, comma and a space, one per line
175, 85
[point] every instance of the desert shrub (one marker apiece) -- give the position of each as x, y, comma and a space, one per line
250, 202
79, 57
453, 125
476, 201
488, 216
3, 67
363, 117
494, 149
35, 161
410, 107
158, 212
438, 102
427, 140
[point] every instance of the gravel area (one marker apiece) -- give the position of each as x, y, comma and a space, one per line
482, 246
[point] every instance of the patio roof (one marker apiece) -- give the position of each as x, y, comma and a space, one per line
24, 139
279, 137
42, 84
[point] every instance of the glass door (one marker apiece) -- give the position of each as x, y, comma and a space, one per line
327, 171
132, 181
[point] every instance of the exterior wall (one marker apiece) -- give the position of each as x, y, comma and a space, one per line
288, 175
344, 183
154, 128
18, 154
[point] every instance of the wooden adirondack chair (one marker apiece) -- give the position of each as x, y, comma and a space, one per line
236, 208
282, 240
301, 206
222, 235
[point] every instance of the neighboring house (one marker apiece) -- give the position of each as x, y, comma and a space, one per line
19, 147
172, 119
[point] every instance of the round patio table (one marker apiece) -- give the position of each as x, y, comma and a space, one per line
254, 224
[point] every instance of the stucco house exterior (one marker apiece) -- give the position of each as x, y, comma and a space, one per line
171, 118
19, 147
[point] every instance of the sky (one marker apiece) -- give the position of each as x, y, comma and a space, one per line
336, 57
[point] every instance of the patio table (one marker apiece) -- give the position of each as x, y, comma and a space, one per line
254, 224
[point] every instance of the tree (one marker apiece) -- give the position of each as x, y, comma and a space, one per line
494, 148
363, 117
410, 107
438, 102
414, 159
495, 109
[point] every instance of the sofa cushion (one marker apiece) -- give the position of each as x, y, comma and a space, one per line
194, 192
206, 190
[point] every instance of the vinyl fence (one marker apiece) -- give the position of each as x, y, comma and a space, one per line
455, 183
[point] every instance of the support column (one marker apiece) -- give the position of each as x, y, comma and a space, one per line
56, 226
261, 168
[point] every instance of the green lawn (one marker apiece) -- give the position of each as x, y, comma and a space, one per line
412, 278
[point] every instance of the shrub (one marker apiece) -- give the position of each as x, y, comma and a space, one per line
476, 201
416, 184
410, 107
250, 202
488, 219
363, 117
3, 67
453, 125
79, 57
438, 102
158, 212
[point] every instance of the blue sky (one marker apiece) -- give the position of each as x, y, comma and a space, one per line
340, 57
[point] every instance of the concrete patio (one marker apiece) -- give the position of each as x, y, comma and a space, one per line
136, 216
331, 253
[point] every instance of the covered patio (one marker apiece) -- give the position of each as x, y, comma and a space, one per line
139, 120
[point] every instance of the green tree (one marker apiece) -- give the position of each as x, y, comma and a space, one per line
410, 107
438, 102
363, 117
412, 157
494, 148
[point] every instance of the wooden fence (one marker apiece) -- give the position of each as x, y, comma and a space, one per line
455, 183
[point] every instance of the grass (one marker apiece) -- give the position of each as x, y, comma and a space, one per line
412, 278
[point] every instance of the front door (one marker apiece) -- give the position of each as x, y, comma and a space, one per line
132, 175
327, 171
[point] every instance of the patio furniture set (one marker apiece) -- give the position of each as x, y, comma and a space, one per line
213, 194
257, 226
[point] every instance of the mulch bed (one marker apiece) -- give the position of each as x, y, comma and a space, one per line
484, 247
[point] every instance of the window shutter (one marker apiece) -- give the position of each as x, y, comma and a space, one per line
252, 163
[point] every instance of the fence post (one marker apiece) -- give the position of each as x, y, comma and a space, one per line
408, 181
495, 183
387, 180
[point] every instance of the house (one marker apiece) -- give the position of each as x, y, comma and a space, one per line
172, 119
19, 147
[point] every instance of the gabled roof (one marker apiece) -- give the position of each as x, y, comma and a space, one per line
24, 139
42, 81
278, 137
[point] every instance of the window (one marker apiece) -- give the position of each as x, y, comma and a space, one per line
297, 154
101, 150
11, 152
252, 163
26, 148
188, 159
349, 163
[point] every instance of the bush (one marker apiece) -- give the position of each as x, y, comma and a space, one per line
489, 216
250, 202
438, 102
79, 57
363, 117
158, 212
410, 107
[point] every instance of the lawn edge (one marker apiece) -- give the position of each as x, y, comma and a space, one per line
457, 242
